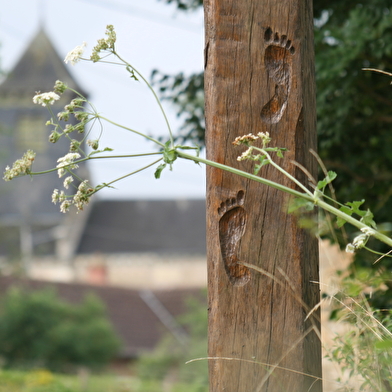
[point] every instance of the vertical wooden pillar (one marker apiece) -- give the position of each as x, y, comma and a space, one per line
259, 77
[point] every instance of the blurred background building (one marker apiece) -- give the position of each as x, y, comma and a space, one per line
141, 257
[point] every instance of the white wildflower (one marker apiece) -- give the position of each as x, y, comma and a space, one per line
83, 195
20, 167
64, 207
246, 139
66, 162
265, 137
245, 155
67, 181
360, 241
46, 99
55, 196
92, 143
75, 55
350, 248
368, 231
62, 196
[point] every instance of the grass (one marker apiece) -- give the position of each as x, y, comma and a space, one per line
42, 380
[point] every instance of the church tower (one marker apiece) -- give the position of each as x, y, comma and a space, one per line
28, 219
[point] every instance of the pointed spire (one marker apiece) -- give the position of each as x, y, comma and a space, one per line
41, 13
37, 70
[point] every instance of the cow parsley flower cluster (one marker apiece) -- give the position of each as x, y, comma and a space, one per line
245, 139
20, 167
79, 200
75, 55
360, 241
46, 99
104, 44
75, 108
67, 163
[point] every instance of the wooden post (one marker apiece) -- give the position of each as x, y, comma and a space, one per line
259, 77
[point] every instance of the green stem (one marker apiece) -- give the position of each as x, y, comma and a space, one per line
154, 94
245, 174
322, 204
129, 174
95, 157
131, 130
288, 175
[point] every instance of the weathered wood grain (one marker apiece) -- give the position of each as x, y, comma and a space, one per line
259, 77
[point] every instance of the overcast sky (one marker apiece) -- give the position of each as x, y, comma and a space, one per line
150, 35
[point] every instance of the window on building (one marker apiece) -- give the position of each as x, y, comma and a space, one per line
32, 133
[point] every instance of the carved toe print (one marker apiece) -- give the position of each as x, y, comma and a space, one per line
231, 229
277, 59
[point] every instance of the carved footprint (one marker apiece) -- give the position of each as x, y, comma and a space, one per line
231, 229
277, 59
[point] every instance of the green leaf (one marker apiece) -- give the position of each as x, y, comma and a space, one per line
263, 161
158, 172
331, 175
298, 203
367, 219
355, 207
340, 221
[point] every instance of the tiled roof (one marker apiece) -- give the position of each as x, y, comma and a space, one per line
137, 325
169, 226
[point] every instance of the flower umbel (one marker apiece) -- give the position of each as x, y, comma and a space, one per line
46, 99
360, 240
67, 181
83, 195
245, 139
75, 55
104, 44
20, 167
66, 162
59, 87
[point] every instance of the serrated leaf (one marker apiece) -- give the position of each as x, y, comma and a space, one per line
331, 175
346, 210
367, 219
355, 207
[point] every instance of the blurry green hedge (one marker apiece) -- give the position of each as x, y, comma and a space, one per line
37, 329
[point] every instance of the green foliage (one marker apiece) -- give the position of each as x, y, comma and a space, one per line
186, 5
42, 380
167, 362
354, 106
38, 329
363, 352
187, 94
